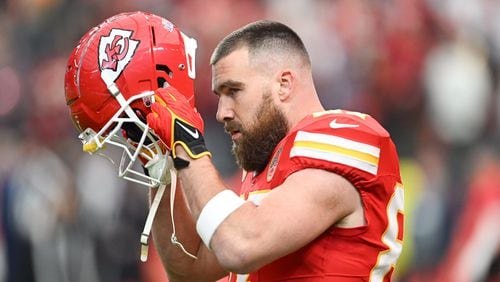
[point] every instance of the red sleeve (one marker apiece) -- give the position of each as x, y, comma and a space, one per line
346, 143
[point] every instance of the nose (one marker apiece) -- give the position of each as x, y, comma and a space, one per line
224, 109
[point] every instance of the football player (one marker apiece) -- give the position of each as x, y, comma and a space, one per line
321, 197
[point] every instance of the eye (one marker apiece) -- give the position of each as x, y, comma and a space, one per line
229, 88
233, 91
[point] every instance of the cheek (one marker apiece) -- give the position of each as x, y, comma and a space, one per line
245, 114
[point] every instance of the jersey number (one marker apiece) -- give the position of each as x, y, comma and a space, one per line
386, 259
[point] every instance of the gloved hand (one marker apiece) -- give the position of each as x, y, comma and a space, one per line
176, 122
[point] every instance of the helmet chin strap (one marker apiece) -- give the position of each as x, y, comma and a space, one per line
152, 212
158, 167
149, 222
173, 238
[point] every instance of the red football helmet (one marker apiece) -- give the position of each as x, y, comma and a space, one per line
109, 83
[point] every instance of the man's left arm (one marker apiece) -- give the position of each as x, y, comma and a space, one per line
296, 212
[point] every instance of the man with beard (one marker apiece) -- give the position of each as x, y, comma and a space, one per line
321, 197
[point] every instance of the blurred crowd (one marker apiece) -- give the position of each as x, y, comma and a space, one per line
428, 70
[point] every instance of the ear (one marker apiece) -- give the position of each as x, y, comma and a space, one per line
286, 81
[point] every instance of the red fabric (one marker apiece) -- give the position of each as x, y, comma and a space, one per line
339, 254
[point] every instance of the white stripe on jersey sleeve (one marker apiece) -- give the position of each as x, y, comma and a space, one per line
336, 149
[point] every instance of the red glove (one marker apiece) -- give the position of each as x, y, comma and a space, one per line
176, 122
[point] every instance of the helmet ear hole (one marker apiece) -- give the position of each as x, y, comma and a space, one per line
161, 80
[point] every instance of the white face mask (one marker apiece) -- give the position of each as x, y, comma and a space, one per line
147, 146
160, 172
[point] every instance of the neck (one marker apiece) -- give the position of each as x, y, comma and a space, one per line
306, 104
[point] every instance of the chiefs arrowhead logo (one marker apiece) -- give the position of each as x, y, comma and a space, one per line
273, 164
115, 52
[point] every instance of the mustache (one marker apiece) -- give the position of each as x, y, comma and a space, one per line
232, 126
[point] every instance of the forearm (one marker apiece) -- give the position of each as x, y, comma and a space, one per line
178, 265
201, 183
172, 256
251, 236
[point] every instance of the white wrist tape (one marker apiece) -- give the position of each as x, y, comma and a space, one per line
215, 212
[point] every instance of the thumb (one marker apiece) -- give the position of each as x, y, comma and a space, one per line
152, 119
159, 128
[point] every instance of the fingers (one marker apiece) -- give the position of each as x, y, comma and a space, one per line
175, 94
159, 115
152, 120
155, 117
170, 94
162, 96
159, 99
158, 108
170, 103
157, 124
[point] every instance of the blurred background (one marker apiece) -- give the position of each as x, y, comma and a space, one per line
428, 70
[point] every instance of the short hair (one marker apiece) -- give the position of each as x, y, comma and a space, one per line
259, 36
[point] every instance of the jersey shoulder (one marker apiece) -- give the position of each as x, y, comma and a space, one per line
344, 123
345, 142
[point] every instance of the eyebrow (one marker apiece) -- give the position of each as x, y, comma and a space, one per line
228, 84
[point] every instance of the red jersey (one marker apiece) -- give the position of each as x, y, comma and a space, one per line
356, 147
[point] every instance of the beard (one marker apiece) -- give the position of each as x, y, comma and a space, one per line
258, 141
